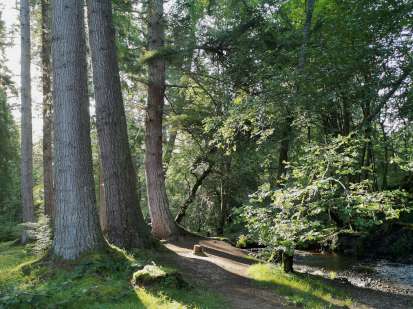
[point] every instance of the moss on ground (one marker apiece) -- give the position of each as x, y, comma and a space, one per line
97, 280
300, 289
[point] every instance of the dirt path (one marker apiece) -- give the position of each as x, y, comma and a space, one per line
223, 269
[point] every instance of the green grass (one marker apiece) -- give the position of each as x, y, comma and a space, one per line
98, 280
300, 289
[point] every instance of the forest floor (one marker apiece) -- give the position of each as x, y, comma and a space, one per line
223, 277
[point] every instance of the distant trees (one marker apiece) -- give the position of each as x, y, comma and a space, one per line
76, 220
26, 118
10, 206
123, 221
47, 109
10, 199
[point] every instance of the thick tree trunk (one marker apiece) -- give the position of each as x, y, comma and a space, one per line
163, 224
47, 111
125, 226
26, 119
76, 219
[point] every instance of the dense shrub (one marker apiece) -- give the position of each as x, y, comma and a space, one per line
323, 194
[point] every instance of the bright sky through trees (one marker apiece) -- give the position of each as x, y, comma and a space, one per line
10, 15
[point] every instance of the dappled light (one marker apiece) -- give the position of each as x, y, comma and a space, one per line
206, 154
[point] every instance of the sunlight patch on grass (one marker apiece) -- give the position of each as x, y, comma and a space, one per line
167, 298
299, 289
151, 301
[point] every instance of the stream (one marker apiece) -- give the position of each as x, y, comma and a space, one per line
379, 275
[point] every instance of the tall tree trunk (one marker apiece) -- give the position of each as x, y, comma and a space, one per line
76, 219
163, 224
286, 134
47, 111
386, 156
223, 209
125, 226
306, 33
224, 200
26, 119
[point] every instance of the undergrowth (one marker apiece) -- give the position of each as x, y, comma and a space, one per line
97, 280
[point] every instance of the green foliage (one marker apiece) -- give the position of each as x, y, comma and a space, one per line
9, 172
242, 241
319, 198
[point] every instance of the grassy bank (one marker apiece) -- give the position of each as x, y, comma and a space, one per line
95, 281
300, 289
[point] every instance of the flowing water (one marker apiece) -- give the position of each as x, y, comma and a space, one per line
380, 275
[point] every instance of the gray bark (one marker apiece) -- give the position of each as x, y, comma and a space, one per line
124, 226
163, 224
26, 118
47, 111
102, 204
76, 219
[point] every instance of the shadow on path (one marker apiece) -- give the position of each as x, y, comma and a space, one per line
224, 269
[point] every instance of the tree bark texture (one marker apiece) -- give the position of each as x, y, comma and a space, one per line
76, 219
47, 110
103, 220
163, 224
125, 226
26, 117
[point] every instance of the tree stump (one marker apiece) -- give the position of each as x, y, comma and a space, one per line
198, 250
